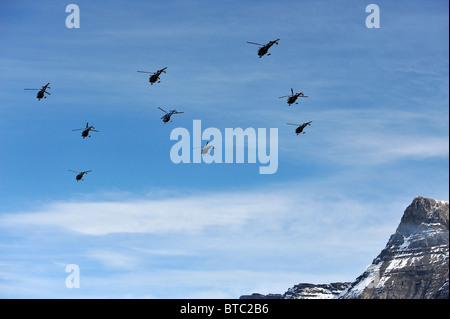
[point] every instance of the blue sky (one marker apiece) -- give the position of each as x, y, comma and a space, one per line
141, 226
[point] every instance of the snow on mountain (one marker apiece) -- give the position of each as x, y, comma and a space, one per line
306, 291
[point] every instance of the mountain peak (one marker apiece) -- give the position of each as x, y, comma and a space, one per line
424, 211
414, 263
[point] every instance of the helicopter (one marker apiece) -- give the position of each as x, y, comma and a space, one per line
86, 130
265, 47
41, 92
79, 174
206, 148
166, 117
155, 75
301, 127
293, 98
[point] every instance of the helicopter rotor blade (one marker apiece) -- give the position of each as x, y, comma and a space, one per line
85, 172
73, 171
47, 92
176, 112
162, 110
284, 96
78, 129
144, 72
94, 130
292, 91
254, 43
292, 124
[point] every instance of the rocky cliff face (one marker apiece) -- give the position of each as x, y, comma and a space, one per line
413, 265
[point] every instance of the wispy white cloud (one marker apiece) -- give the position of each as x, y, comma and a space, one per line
198, 246
113, 259
371, 137
269, 209
253, 222
188, 214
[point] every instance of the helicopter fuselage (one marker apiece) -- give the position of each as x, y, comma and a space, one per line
166, 118
300, 129
85, 133
292, 99
154, 78
206, 149
262, 51
40, 95
79, 174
